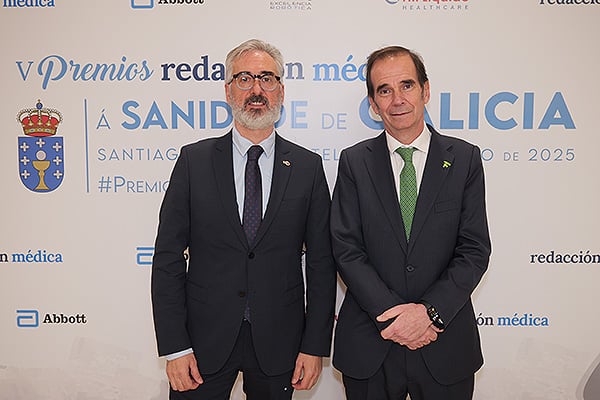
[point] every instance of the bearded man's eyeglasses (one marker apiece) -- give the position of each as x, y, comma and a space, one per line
244, 80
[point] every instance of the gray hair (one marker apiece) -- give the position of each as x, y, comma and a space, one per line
249, 45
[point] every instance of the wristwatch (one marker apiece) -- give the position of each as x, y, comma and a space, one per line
435, 318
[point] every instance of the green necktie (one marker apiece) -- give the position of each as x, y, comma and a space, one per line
408, 188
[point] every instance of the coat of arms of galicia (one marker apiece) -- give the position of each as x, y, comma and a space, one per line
41, 153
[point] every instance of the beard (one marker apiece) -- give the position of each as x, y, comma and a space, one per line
256, 119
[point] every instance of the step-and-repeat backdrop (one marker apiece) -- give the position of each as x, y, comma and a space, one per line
121, 85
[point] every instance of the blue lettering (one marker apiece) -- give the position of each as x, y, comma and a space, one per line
445, 121
178, 112
126, 110
214, 105
282, 118
20, 66
47, 66
328, 71
474, 111
528, 110
296, 114
154, 117
490, 110
557, 113
365, 117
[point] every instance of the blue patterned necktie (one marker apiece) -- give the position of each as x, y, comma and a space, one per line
408, 188
252, 195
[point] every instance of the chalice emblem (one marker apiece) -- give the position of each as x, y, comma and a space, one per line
41, 165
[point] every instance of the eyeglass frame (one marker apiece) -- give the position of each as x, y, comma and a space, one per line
255, 77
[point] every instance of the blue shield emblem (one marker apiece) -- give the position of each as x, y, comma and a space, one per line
41, 153
41, 162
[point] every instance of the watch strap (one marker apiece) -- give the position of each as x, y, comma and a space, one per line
434, 316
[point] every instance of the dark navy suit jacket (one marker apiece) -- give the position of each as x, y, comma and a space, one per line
201, 305
443, 262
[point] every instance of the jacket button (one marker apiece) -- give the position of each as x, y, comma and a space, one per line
410, 268
242, 293
251, 255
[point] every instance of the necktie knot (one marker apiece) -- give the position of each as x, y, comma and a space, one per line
254, 153
406, 153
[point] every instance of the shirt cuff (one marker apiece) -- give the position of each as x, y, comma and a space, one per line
172, 356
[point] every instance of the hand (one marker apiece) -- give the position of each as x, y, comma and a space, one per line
183, 373
307, 371
430, 336
411, 325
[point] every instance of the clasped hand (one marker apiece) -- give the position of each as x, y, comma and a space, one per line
411, 326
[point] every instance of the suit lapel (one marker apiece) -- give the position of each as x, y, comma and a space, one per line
282, 169
223, 170
433, 177
379, 169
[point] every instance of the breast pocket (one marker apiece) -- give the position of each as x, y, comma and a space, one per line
446, 205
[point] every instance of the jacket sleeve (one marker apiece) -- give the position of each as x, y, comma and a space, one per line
321, 282
169, 264
451, 291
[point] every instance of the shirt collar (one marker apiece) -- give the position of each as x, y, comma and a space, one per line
241, 144
421, 143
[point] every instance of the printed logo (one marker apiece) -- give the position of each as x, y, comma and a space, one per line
28, 318
292, 5
41, 153
430, 5
569, 2
144, 255
142, 3
28, 3
31, 319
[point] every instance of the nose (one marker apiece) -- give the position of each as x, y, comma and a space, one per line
398, 97
256, 89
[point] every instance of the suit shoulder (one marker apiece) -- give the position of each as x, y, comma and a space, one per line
457, 142
361, 147
203, 144
299, 151
452, 141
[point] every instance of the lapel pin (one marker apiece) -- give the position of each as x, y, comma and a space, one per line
446, 164
286, 163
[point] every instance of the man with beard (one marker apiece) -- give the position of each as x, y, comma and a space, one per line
246, 206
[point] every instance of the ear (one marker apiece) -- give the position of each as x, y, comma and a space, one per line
374, 105
426, 92
227, 90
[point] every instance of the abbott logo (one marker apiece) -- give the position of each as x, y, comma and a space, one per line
144, 255
142, 3
28, 318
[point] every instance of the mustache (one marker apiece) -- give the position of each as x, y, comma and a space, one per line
256, 98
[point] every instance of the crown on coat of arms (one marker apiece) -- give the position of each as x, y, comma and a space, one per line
39, 121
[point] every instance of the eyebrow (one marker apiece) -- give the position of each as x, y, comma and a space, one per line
260, 73
404, 81
381, 87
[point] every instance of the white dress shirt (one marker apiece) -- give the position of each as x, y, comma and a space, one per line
421, 144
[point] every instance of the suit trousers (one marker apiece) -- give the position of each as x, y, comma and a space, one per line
404, 373
256, 385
